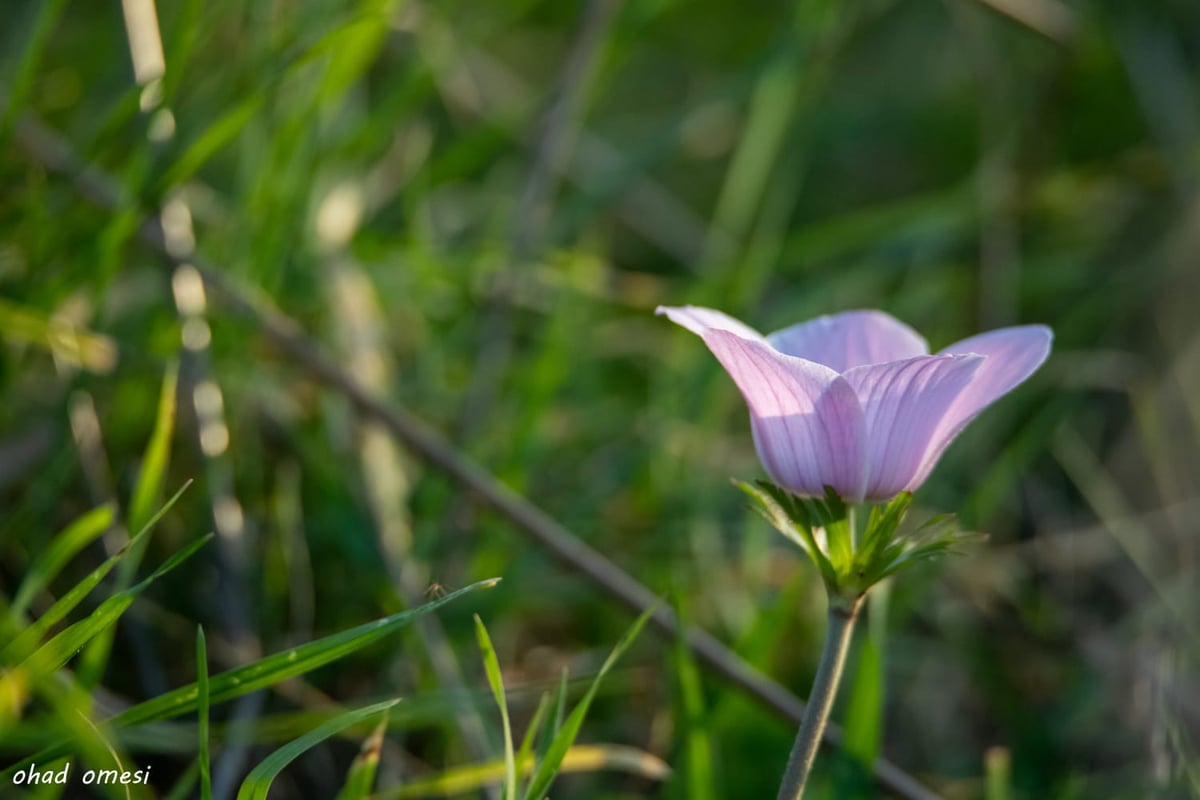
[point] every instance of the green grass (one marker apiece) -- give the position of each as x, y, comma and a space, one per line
371, 169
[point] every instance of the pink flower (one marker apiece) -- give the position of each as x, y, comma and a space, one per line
854, 400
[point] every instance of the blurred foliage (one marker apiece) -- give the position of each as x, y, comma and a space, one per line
476, 206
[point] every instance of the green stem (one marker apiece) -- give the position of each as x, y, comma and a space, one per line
820, 700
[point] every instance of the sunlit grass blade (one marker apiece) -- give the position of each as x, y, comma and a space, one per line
265, 672
65, 546
565, 737
202, 714
579, 758
360, 779
59, 650
491, 666
258, 782
154, 461
146, 492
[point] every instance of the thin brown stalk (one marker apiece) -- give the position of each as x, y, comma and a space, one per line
47, 148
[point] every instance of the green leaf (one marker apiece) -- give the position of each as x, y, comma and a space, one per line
258, 782
154, 460
202, 713
141, 508
791, 518
58, 651
65, 546
559, 712
565, 737
491, 666
525, 751
360, 780
264, 672
701, 782
283, 665
219, 134
20, 647
21, 79
998, 767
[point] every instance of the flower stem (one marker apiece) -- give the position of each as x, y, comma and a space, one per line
829, 674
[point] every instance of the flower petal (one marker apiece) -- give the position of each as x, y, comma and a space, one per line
850, 339
807, 423
1013, 354
698, 319
904, 403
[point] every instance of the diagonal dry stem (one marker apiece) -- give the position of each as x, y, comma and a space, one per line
50, 150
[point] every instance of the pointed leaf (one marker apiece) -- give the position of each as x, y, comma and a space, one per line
549, 766
491, 666
259, 781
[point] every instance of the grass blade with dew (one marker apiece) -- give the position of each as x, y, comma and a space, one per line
491, 666
266, 671
360, 779
258, 782
565, 737
285, 664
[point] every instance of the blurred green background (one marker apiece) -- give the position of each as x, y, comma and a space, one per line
474, 206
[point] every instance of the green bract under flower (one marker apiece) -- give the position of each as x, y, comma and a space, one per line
853, 555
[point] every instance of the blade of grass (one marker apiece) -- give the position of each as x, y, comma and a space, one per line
262, 673
258, 782
558, 712
549, 766
65, 546
223, 131
154, 461
183, 786
285, 664
35, 45
525, 751
997, 763
58, 651
491, 665
141, 509
202, 713
19, 648
360, 780
701, 783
